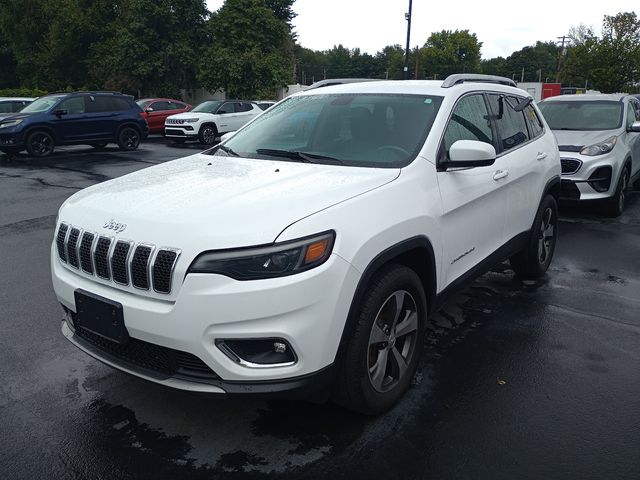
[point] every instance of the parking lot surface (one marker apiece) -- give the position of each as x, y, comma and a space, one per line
526, 380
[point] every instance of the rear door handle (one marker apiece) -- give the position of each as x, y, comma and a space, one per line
541, 156
501, 174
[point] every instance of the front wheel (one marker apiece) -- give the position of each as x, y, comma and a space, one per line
208, 134
40, 144
616, 204
534, 260
382, 354
128, 139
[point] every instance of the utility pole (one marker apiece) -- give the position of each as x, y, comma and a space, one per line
417, 62
407, 17
564, 38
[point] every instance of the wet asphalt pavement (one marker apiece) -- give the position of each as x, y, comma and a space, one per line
536, 380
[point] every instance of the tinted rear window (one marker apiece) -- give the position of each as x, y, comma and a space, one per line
582, 114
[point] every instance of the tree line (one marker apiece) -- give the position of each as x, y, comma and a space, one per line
248, 49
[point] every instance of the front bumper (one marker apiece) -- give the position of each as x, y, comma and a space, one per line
180, 131
307, 310
11, 138
595, 179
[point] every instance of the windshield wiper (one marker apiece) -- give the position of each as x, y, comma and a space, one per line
228, 150
305, 157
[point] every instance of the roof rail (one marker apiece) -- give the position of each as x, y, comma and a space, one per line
76, 92
458, 78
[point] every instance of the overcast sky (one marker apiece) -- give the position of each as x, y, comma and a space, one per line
501, 26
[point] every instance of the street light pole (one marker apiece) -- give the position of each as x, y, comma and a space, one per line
407, 17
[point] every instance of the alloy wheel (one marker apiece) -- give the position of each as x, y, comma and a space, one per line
392, 341
208, 135
545, 236
41, 144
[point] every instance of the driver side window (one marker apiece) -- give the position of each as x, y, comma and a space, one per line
469, 121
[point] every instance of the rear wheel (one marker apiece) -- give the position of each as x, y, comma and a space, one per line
382, 354
208, 134
40, 143
616, 204
128, 139
534, 260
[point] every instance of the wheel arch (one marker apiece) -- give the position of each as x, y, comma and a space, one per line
129, 124
32, 128
208, 123
415, 253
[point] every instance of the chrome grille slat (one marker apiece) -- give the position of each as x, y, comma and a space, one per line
101, 257
72, 247
120, 261
61, 240
86, 252
124, 262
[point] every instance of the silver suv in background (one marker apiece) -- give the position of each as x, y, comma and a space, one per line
599, 141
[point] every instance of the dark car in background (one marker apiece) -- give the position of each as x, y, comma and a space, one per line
91, 118
156, 110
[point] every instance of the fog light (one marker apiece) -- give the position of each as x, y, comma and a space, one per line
600, 179
258, 352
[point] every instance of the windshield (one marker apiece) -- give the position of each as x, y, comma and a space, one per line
207, 107
42, 104
366, 130
582, 114
144, 103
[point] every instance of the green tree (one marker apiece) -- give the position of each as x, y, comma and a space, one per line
151, 46
391, 62
447, 52
250, 53
610, 63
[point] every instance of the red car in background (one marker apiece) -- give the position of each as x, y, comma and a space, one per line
156, 110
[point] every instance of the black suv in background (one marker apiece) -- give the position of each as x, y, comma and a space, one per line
92, 118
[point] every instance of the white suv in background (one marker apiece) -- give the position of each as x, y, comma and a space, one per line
599, 141
209, 120
302, 261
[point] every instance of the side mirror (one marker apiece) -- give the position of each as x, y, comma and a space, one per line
227, 136
635, 127
470, 153
148, 109
60, 112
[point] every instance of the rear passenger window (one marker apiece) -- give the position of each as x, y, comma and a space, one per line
160, 106
176, 106
120, 104
535, 125
243, 107
512, 126
469, 121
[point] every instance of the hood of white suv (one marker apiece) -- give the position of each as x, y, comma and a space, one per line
583, 138
181, 116
210, 202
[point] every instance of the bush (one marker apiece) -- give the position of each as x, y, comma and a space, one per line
22, 92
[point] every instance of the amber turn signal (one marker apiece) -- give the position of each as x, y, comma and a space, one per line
316, 251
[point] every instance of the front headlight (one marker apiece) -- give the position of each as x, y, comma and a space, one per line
277, 260
189, 120
10, 123
600, 148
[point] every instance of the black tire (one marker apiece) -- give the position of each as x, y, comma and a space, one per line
208, 134
128, 138
98, 145
40, 144
615, 205
534, 260
366, 381
179, 141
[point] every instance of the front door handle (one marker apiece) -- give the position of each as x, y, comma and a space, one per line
541, 156
501, 174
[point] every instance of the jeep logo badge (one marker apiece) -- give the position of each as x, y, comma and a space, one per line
116, 227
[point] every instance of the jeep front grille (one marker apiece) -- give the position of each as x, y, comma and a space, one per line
122, 262
174, 121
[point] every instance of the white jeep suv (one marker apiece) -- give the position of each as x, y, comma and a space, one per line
307, 253
209, 120
599, 141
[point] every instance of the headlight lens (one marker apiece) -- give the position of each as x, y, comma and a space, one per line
190, 120
278, 260
600, 148
10, 123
